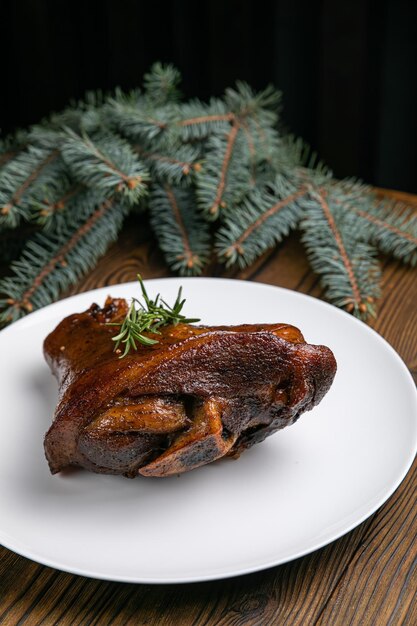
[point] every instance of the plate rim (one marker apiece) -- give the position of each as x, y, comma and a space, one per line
330, 538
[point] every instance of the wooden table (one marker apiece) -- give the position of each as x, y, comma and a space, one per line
369, 576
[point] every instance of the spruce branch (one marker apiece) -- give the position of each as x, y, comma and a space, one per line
225, 167
265, 141
391, 226
53, 213
346, 264
244, 102
161, 84
221, 184
198, 121
52, 262
108, 164
183, 235
202, 120
17, 179
251, 141
173, 165
296, 157
265, 216
225, 174
138, 121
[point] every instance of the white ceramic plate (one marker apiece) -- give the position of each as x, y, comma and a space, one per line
299, 490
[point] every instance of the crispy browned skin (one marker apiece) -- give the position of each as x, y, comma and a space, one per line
199, 394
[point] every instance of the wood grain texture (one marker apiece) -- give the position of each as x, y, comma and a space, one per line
367, 577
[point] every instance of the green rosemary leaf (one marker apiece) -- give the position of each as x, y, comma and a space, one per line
148, 318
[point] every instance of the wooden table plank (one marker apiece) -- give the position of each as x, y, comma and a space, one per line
380, 582
366, 577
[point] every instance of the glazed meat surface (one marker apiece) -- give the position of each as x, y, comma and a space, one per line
199, 394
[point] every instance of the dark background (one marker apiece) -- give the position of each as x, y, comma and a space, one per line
348, 69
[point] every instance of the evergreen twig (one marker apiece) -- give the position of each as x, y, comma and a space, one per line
222, 168
337, 252
107, 163
225, 175
17, 177
175, 166
52, 262
264, 218
182, 233
392, 227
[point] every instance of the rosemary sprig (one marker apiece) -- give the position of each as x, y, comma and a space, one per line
148, 318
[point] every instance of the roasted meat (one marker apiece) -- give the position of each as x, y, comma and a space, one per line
199, 394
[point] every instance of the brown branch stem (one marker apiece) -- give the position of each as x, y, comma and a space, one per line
339, 242
223, 172
178, 218
28, 181
203, 119
154, 156
60, 204
249, 138
111, 165
62, 253
383, 224
252, 151
262, 218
